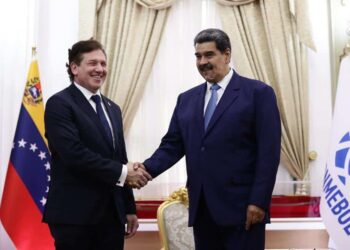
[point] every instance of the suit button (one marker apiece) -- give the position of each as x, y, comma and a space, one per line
202, 149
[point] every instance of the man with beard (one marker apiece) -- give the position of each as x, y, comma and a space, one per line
229, 130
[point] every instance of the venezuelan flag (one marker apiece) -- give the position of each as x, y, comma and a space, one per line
28, 174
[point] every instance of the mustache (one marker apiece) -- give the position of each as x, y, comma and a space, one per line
207, 66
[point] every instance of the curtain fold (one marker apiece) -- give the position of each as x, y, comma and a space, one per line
269, 43
234, 2
299, 11
131, 34
155, 4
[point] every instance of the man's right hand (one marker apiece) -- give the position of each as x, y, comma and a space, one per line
137, 176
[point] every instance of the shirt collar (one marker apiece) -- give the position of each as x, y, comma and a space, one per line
87, 93
224, 82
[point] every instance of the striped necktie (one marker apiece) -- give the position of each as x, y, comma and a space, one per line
102, 117
211, 104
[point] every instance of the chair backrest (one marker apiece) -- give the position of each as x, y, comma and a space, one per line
172, 217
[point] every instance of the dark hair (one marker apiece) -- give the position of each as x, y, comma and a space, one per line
220, 38
75, 54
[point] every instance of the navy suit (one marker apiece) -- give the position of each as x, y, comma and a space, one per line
234, 162
85, 165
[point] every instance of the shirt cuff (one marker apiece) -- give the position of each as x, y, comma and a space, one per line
122, 177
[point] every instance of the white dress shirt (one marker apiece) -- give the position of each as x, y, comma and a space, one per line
223, 84
88, 94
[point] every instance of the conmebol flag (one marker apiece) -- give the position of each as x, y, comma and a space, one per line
28, 173
335, 199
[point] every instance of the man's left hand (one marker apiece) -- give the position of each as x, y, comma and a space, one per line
131, 226
255, 215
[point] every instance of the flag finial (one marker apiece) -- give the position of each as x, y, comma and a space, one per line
33, 51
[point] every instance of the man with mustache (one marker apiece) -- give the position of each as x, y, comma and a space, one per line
88, 204
229, 130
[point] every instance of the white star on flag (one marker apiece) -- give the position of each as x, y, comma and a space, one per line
22, 143
48, 178
47, 166
33, 147
47, 189
43, 201
42, 155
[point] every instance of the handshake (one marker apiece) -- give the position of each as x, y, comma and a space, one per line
137, 176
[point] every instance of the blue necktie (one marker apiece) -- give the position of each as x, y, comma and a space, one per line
101, 115
211, 104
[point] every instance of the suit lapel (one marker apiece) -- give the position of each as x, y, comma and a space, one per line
199, 109
229, 96
84, 104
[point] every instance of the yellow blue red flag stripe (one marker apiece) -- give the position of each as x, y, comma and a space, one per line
28, 174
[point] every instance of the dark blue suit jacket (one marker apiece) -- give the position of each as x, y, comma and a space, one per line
234, 162
85, 165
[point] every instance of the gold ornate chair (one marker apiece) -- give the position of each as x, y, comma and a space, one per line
172, 217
